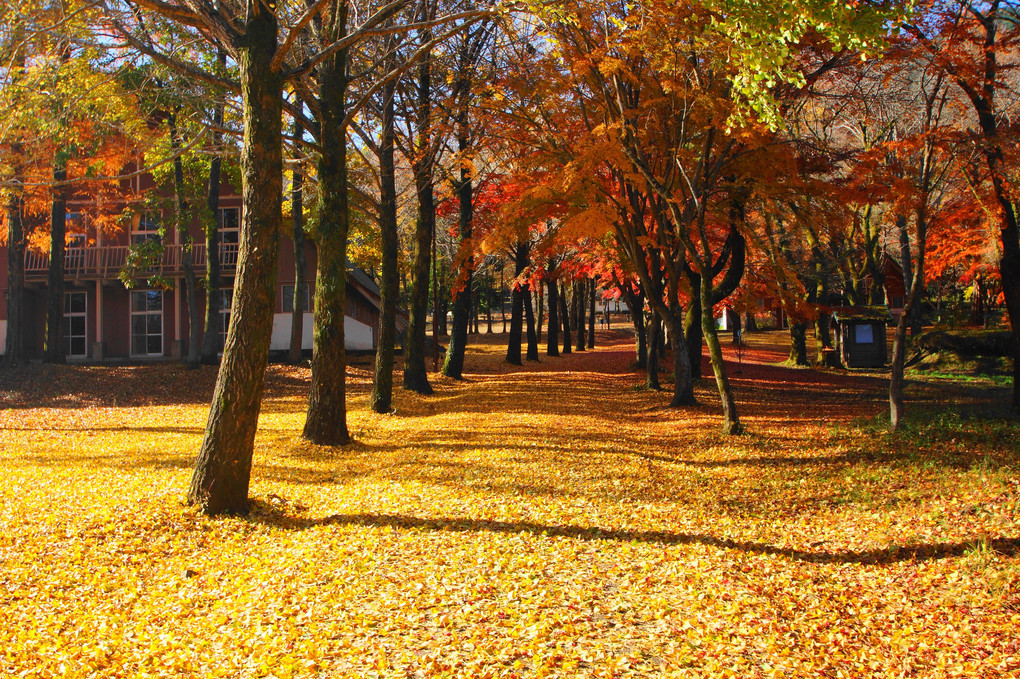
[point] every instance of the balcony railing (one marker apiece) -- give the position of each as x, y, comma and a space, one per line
106, 262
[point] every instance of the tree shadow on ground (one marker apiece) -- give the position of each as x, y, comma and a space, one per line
274, 516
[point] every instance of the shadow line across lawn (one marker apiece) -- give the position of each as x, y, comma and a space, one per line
268, 514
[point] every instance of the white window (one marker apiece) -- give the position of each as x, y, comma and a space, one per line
864, 334
146, 323
74, 325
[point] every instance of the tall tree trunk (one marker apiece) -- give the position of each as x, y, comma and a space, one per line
565, 319
55, 276
693, 336
14, 352
731, 421
513, 347
326, 419
529, 318
453, 366
652, 364
552, 347
580, 303
297, 231
540, 301
591, 313
223, 468
181, 219
416, 376
211, 333
381, 400
913, 295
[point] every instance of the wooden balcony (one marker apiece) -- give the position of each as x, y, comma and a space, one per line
106, 262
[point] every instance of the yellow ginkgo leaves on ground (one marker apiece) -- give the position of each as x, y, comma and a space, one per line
553, 521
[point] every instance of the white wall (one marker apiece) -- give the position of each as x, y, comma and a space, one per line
358, 335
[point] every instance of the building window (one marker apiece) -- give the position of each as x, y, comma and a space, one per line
288, 299
228, 221
864, 334
144, 227
146, 323
74, 325
896, 302
226, 298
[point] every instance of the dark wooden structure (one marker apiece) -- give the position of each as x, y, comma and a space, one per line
861, 335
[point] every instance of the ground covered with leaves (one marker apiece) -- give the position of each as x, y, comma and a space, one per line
554, 520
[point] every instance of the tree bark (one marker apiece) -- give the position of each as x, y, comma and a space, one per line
798, 343
580, 303
416, 377
453, 366
731, 421
55, 276
381, 399
181, 218
565, 319
532, 335
223, 469
552, 347
652, 365
513, 348
14, 352
326, 419
591, 313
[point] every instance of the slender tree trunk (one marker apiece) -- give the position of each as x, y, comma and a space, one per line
513, 348
326, 419
14, 352
529, 318
55, 276
540, 301
211, 334
223, 469
297, 230
580, 303
181, 219
731, 421
652, 365
591, 313
416, 377
381, 400
693, 335
913, 295
453, 366
552, 347
565, 319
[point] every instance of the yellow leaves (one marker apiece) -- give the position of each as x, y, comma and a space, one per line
513, 524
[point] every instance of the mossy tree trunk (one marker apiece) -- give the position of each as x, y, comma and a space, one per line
223, 469
326, 418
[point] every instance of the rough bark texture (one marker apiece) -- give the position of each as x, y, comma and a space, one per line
381, 400
798, 344
223, 469
683, 381
416, 377
55, 276
326, 419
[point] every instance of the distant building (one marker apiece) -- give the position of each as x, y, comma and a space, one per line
861, 335
104, 320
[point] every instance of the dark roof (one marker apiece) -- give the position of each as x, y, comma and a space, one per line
363, 280
861, 314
